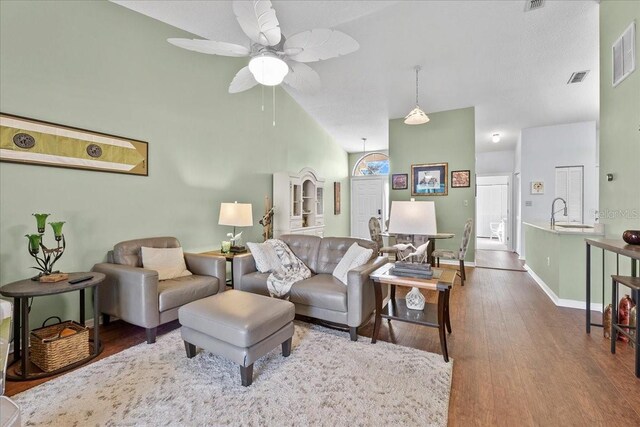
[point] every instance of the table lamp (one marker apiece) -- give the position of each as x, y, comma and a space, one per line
236, 215
414, 218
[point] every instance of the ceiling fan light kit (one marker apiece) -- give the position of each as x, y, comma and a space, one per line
275, 59
416, 116
495, 138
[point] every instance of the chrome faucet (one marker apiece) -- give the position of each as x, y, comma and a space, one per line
553, 213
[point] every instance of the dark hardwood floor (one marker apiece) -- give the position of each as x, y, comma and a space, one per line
501, 260
518, 359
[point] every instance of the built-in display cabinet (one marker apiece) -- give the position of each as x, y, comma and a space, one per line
298, 201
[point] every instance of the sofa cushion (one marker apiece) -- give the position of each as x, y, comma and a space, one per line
354, 258
265, 256
255, 282
332, 250
182, 290
168, 262
305, 248
322, 291
128, 252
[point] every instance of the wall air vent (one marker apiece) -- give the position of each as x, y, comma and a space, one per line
578, 77
533, 5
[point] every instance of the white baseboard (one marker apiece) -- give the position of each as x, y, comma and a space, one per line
560, 302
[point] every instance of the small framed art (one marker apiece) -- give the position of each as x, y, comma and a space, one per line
537, 187
399, 181
461, 179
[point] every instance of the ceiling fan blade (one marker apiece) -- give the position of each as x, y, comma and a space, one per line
211, 47
258, 21
243, 80
302, 78
319, 44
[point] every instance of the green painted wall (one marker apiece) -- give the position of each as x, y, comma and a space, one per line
448, 137
619, 124
99, 66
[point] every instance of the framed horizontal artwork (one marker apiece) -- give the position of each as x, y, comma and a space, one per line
429, 179
399, 181
36, 142
461, 179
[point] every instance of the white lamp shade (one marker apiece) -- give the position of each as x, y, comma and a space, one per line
236, 214
418, 218
416, 117
268, 70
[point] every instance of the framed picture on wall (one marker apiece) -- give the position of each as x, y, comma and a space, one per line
537, 187
461, 179
399, 181
429, 179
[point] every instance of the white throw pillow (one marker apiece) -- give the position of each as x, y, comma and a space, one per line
168, 262
265, 256
353, 258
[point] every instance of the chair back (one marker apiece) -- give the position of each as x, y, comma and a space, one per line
5, 336
374, 231
466, 237
128, 253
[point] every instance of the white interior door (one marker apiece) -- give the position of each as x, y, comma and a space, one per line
367, 200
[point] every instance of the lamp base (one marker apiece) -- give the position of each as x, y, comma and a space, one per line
238, 249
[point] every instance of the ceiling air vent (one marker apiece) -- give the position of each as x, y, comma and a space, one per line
533, 5
578, 77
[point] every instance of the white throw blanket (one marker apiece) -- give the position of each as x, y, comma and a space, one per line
291, 270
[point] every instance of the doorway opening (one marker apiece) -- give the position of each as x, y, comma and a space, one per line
369, 193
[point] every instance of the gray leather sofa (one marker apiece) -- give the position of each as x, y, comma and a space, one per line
322, 296
135, 294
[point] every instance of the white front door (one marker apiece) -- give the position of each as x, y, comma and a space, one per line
367, 200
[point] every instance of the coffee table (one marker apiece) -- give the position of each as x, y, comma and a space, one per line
433, 315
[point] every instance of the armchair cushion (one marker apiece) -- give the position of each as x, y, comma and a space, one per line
128, 252
168, 262
322, 291
182, 290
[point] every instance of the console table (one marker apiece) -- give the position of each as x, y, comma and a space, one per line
433, 315
21, 292
619, 247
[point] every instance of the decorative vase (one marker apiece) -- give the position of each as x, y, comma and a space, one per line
632, 237
633, 313
225, 246
624, 308
415, 299
606, 321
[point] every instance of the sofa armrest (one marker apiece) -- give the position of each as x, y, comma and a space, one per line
360, 296
130, 293
242, 265
207, 265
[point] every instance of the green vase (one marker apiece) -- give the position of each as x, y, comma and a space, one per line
40, 221
34, 242
57, 229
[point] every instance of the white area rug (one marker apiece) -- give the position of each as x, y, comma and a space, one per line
328, 380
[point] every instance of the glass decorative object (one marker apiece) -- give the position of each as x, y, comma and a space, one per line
415, 300
624, 308
45, 257
41, 220
225, 246
606, 322
632, 324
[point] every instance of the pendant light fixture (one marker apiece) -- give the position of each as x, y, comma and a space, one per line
416, 116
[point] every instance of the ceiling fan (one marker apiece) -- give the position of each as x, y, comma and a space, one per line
274, 58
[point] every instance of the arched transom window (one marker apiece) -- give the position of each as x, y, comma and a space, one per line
372, 164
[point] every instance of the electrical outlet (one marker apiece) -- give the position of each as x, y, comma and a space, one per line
548, 262
466, 203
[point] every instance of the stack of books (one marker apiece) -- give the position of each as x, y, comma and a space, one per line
412, 269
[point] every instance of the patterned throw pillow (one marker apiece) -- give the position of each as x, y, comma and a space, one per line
168, 262
265, 256
353, 258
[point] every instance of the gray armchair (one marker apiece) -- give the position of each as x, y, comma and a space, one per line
135, 295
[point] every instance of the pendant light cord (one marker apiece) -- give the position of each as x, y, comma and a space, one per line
417, 71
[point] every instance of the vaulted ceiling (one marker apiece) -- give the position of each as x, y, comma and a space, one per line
512, 65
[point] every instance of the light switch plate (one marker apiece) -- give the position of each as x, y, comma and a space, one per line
528, 203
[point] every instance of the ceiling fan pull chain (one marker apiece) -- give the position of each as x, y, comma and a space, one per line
274, 106
262, 86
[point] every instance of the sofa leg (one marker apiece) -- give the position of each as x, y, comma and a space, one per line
353, 332
246, 375
106, 319
151, 335
190, 348
286, 347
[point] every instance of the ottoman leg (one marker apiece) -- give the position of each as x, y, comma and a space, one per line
286, 347
246, 375
191, 349
353, 333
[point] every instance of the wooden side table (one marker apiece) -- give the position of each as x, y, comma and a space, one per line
632, 283
229, 257
433, 315
21, 292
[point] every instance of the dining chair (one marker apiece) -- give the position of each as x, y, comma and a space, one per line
460, 254
376, 236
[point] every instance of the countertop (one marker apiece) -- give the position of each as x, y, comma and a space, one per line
572, 231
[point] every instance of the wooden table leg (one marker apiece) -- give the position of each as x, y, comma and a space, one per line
588, 290
446, 310
25, 337
17, 305
96, 322
441, 326
376, 325
82, 312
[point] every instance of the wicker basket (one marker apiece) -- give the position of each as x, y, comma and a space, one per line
50, 352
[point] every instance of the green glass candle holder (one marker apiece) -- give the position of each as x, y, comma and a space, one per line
226, 246
57, 229
34, 242
41, 220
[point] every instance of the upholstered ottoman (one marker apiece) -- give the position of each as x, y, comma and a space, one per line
239, 326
